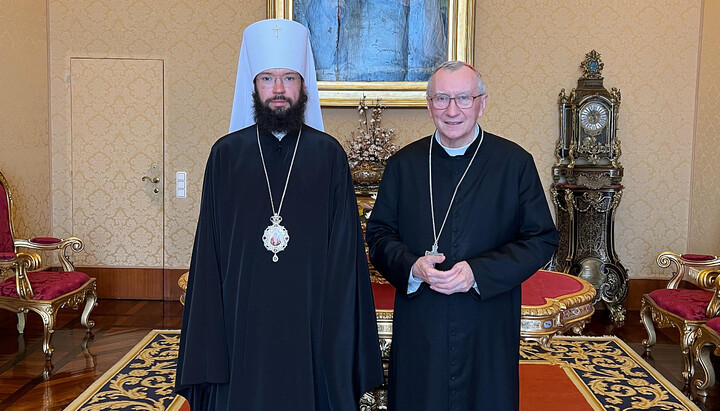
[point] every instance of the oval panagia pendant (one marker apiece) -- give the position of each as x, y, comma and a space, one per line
275, 238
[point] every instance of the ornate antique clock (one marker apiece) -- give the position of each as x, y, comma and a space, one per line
586, 189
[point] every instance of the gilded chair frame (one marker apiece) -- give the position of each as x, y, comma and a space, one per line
30, 260
652, 316
706, 339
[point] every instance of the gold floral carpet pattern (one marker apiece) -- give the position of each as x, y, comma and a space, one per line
142, 380
610, 374
615, 376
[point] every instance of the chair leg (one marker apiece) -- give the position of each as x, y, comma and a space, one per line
47, 370
687, 340
22, 317
90, 303
48, 317
705, 362
89, 358
646, 319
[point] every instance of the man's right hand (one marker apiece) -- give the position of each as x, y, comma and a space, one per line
424, 269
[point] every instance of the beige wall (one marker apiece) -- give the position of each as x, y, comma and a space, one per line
527, 52
199, 44
24, 153
704, 233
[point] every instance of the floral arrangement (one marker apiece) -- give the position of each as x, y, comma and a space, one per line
370, 142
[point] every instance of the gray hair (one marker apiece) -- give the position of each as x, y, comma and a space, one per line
455, 65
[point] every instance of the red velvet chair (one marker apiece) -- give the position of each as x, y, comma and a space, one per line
708, 335
24, 287
683, 308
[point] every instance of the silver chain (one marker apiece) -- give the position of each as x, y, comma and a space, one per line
436, 235
262, 158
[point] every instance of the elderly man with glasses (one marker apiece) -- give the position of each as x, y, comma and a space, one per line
460, 221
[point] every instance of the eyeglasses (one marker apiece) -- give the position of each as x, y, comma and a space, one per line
266, 80
442, 101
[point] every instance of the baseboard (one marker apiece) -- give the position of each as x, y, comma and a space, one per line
639, 287
172, 290
159, 284
135, 283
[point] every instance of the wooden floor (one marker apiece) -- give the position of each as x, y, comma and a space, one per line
120, 324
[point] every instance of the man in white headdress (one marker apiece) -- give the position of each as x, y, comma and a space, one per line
279, 312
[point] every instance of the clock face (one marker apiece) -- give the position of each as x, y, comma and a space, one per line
593, 116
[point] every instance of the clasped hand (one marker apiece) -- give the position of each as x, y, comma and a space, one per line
458, 279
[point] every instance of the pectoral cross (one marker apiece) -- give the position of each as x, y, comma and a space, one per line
433, 251
277, 31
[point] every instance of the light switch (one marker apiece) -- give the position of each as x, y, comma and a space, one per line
180, 179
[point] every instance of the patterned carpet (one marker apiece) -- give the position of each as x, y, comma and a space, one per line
610, 374
607, 373
142, 380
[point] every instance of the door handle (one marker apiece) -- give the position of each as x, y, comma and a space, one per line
152, 180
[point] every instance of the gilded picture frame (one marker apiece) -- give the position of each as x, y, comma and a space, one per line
460, 36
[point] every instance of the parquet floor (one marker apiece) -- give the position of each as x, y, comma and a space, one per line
120, 324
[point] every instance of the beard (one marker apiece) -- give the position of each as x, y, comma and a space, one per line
281, 120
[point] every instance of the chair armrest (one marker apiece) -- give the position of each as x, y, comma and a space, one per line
45, 240
61, 246
20, 265
683, 265
710, 279
29, 261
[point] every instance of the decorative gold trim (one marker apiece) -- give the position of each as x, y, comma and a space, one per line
46, 309
706, 338
710, 280
652, 315
182, 283
95, 387
62, 246
568, 312
8, 194
585, 295
461, 24
592, 66
682, 266
704, 274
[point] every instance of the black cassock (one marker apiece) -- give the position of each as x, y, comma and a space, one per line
299, 334
460, 352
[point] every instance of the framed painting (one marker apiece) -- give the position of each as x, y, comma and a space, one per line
383, 49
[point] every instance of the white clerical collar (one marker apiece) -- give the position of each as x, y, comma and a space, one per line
279, 134
452, 152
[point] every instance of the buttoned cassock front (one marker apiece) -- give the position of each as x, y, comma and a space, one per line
460, 352
298, 334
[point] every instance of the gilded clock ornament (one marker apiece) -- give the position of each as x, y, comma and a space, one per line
586, 189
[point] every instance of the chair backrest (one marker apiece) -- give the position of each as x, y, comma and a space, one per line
6, 233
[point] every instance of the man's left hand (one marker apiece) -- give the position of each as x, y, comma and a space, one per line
460, 280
